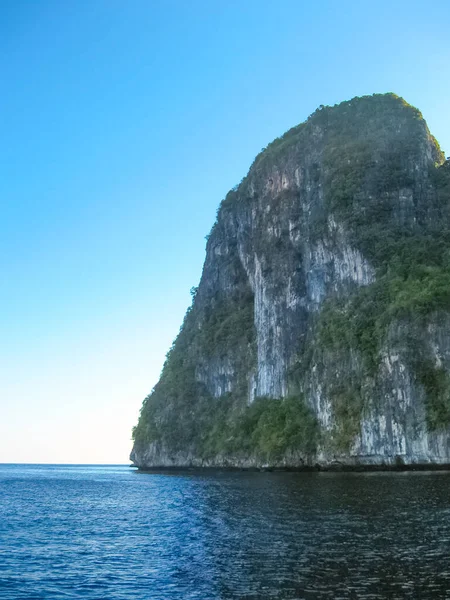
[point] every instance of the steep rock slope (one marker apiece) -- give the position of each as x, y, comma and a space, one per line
320, 330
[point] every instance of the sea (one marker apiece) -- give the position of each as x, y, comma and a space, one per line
112, 532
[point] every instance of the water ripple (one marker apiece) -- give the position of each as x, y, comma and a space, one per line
113, 533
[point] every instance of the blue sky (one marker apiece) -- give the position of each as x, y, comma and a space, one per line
123, 125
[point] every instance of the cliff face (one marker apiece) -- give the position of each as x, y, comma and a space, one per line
320, 330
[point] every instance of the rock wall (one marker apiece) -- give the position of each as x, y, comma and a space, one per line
287, 240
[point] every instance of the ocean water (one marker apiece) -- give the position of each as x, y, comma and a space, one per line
96, 532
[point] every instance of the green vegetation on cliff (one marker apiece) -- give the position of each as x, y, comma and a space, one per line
267, 429
413, 282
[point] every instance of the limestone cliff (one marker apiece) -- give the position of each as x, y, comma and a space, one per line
320, 330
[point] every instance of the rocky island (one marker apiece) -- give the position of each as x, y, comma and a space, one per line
319, 333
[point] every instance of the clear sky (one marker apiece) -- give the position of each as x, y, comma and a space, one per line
122, 126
